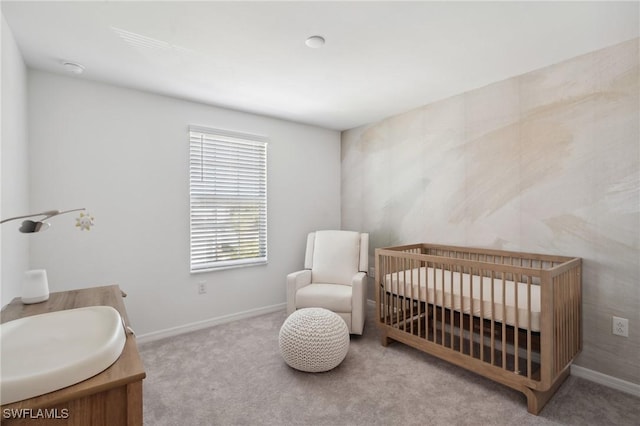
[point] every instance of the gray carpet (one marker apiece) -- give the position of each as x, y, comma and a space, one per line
233, 374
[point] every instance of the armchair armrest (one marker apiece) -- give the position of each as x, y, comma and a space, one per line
295, 281
358, 302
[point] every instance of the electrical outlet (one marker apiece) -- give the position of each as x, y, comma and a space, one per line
202, 287
372, 271
621, 327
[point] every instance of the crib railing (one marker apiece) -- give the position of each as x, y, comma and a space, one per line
536, 345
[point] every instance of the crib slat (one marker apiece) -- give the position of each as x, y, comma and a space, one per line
411, 317
558, 320
529, 314
382, 270
389, 297
394, 308
560, 323
471, 311
442, 311
434, 306
403, 300
481, 314
493, 322
399, 310
516, 367
452, 310
419, 301
460, 314
504, 322
563, 325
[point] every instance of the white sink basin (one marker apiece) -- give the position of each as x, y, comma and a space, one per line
44, 353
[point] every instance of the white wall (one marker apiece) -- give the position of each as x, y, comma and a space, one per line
14, 188
123, 154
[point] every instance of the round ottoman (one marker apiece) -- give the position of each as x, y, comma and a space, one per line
314, 340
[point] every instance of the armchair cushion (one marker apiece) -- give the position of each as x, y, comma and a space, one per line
336, 257
336, 298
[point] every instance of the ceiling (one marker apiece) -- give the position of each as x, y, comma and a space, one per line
380, 58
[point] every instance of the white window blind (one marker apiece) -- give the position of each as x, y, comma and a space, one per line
228, 192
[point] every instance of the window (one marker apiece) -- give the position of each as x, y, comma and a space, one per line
228, 199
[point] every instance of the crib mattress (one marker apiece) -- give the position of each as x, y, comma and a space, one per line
470, 294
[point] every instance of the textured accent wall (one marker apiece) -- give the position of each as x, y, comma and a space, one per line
545, 162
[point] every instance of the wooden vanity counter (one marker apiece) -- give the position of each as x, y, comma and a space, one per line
112, 397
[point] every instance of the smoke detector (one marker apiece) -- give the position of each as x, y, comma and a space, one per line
315, 42
74, 68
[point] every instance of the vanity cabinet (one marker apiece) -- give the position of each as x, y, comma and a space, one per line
110, 398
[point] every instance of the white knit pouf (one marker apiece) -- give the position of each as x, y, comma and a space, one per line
314, 340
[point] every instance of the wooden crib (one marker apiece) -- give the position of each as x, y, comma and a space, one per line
512, 317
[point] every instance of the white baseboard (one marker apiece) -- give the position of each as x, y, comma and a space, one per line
194, 326
605, 380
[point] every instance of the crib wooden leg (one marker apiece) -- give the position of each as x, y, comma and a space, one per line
536, 400
384, 339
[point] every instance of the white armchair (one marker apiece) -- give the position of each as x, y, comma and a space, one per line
334, 278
